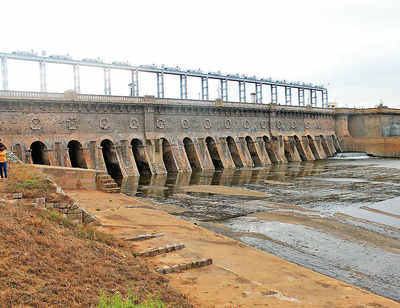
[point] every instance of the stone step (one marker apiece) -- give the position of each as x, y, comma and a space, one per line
105, 181
160, 250
103, 176
143, 237
110, 185
184, 266
112, 190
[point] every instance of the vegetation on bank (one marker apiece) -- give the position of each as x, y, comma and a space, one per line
46, 260
28, 180
117, 301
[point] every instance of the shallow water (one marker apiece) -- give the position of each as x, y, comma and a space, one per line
338, 217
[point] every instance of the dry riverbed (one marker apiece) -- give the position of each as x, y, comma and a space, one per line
241, 276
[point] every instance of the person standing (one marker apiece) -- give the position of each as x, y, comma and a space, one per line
3, 162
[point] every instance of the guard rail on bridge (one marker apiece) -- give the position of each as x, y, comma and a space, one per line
72, 96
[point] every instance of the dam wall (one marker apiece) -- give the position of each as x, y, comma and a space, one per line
129, 136
375, 131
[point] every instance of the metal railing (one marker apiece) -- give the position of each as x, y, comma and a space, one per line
72, 96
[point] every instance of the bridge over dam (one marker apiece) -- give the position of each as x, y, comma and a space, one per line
129, 136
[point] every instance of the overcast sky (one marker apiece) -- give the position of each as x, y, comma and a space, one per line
351, 46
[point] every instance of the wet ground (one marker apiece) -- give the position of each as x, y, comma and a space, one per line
340, 217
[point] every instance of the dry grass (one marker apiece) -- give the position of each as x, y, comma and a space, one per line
48, 261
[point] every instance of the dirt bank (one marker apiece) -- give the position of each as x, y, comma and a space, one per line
241, 276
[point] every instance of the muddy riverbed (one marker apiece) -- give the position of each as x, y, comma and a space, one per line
339, 217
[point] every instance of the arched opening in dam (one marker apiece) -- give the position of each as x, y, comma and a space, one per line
191, 154
39, 153
234, 152
212, 149
325, 145
138, 151
111, 159
299, 148
168, 157
313, 148
270, 151
76, 154
253, 152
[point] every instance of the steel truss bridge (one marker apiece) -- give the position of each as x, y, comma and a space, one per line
161, 71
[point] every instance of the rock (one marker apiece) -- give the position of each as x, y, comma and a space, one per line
17, 195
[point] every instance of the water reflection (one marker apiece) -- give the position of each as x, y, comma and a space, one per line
167, 185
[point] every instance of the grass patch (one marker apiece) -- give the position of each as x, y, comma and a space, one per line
28, 180
117, 301
58, 218
90, 233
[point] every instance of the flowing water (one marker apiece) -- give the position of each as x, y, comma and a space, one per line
339, 217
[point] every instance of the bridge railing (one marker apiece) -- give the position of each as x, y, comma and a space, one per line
31, 94
72, 96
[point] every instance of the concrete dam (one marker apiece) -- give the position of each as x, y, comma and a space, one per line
129, 136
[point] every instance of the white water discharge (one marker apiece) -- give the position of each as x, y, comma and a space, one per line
355, 155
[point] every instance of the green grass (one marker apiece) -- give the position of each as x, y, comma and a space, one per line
116, 301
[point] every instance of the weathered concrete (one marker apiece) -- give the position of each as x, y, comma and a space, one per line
132, 136
375, 131
71, 178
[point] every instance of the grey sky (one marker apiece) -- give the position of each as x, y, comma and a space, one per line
352, 45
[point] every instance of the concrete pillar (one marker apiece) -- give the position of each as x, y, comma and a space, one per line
51, 157
225, 154
324, 146
155, 155
255, 152
318, 146
124, 151
331, 147
204, 155
90, 163
178, 154
270, 150
306, 148
290, 147
261, 148
66, 161
86, 157
278, 147
192, 155
120, 161
100, 163
244, 152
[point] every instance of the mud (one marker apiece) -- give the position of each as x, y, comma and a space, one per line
337, 217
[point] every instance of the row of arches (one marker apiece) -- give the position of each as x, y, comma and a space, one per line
240, 151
